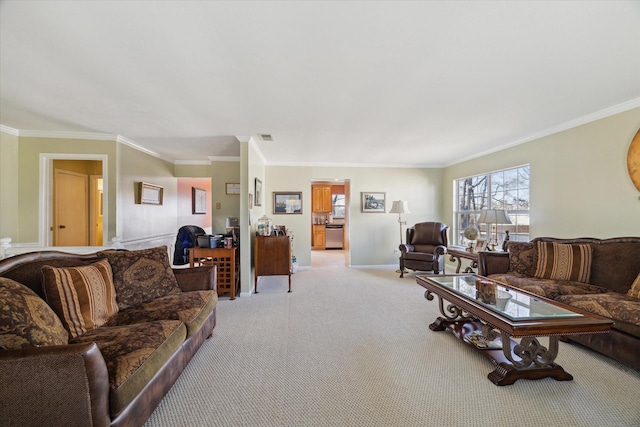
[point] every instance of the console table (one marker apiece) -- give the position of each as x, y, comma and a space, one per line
225, 260
458, 253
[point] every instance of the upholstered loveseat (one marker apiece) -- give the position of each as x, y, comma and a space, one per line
599, 276
99, 339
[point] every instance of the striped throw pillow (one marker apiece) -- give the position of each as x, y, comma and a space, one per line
561, 261
634, 292
83, 297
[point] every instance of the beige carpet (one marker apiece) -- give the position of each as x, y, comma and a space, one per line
351, 347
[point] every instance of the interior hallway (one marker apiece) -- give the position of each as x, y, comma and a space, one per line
331, 258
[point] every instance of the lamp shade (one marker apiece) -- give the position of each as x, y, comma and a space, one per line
494, 216
232, 223
400, 207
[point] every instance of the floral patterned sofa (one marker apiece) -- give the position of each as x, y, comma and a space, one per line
601, 276
97, 339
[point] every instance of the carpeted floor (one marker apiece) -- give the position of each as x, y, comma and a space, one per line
351, 347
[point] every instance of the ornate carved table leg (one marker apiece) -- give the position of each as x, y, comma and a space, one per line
451, 314
529, 360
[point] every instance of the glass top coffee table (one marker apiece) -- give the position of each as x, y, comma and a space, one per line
489, 315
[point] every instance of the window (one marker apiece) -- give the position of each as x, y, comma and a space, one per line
506, 189
337, 205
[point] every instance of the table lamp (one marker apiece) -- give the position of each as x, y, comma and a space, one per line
493, 217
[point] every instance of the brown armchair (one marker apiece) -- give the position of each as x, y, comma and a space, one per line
425, 248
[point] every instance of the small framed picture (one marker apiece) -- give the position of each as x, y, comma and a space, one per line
373, 202
258, 199
480, 245
287, 202
149, 194
232, 188
198, 201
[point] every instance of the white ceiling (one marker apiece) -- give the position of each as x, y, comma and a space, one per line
372, 83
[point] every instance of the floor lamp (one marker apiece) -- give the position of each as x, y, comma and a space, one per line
400, 207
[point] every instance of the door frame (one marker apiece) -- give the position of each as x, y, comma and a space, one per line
45, 193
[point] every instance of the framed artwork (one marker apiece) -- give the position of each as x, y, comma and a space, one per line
149, 194
373, 202
250, 201
198, 201
258, 199
481, 245
287, 202
232, 188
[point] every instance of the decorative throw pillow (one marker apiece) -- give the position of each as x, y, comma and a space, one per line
84, 297
634, 292
141, 275
560, 261
26, 320
521, 257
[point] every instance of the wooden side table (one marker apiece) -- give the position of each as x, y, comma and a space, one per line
225, 260
458, 253
272, 257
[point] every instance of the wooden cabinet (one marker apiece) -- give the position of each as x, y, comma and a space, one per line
321, 198
272, 257
319, 237
227, 266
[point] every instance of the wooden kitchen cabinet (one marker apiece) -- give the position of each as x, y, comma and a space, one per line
272, 257
321, 198
319, 237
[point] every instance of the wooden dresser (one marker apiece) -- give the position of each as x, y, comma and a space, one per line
272, 257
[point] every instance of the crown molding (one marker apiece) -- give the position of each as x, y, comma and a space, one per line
193, 162
10, 131
602, 114
224, 158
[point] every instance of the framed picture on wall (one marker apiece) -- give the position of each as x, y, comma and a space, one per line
289, 202
258, 200
198, 200
373, 202
149, 194
232, 188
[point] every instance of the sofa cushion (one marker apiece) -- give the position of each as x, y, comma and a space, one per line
547, 287
192, 308
26, 320
134, 354
634, 291
141, 275
83, 297
624, 310
559, 261
522, 257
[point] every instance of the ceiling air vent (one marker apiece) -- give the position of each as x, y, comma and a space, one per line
266, 137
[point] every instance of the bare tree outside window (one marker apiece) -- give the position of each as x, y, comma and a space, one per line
505, 189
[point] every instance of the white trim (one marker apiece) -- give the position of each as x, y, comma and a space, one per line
607, 112
193, 162
45, 192
10, 131
132, 144
224, 158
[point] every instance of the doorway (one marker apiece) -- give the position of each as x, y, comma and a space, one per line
73, 201
330, 223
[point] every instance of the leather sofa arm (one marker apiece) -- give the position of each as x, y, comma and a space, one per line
197, 278
440, 250
406, 248
492, 263
54, 385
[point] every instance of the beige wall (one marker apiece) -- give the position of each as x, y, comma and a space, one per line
579, 180
372, 236
28, 161
140, 221
9, 214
